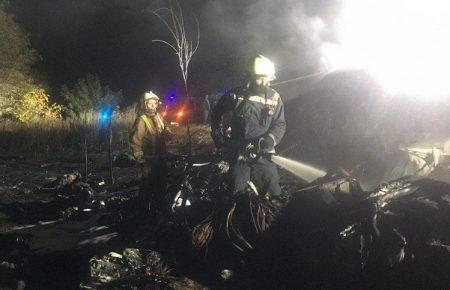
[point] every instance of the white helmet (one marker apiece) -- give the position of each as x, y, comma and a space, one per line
264, 66
150, 95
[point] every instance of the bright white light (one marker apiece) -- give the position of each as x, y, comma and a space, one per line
302, 170
404, 43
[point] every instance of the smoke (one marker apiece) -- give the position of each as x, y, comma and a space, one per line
113, 39
289, 32
402, 43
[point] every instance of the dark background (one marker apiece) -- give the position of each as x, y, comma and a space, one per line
338, 119
113, 39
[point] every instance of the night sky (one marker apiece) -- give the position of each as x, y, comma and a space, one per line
113, 39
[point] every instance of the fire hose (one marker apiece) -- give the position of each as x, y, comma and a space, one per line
252, 152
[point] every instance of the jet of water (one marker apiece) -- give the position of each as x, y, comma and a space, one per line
302, 170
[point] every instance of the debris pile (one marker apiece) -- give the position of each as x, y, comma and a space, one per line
329, 234
130, 263
395, 237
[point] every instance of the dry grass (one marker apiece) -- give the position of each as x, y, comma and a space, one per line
66, 137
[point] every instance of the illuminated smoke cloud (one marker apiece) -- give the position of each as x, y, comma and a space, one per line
289, 32
405, 44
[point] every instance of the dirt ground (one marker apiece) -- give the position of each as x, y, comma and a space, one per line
52, 237
24, 175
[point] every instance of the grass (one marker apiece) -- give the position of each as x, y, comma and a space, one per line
65, 138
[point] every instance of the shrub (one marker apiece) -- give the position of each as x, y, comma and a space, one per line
35, 106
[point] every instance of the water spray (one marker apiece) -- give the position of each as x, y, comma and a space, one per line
306, 172
299, 169
300, 78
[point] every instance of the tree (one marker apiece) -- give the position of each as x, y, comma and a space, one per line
35, 106
111, 98
182, 44
88, 95
16, 61
82, 97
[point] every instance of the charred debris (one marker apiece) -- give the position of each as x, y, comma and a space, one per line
327, 234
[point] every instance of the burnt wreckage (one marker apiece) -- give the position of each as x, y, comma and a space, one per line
327, 234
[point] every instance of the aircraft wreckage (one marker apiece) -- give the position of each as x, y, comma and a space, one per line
325, 234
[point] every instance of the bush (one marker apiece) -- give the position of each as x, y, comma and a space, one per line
34, 106
88, 95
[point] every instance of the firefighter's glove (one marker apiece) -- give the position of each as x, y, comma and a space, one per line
267, 144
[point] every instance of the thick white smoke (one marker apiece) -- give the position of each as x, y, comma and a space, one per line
404, 43
289, 32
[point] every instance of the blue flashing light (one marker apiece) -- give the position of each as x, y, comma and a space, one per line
172, 96
105, 115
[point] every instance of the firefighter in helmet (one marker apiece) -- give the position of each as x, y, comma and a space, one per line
256, 126
148, 145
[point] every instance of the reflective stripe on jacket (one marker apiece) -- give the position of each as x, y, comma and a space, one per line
146, 138
253, 115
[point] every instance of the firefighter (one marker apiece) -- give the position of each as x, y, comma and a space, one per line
148, 145
256, 124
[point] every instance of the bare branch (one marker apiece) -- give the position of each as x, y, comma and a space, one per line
165, 23
167, 43
182, 43
198, 36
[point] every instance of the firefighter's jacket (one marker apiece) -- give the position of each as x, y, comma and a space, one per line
252, 114
147, 137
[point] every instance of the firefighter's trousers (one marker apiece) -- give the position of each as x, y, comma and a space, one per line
153, 184
263, 173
